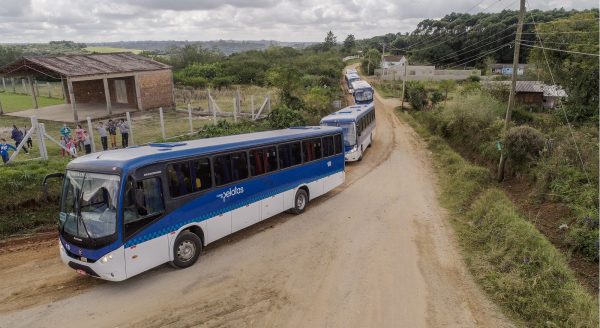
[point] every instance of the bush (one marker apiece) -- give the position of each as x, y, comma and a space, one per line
436, 97
225, 128
284, 117
524, 144
416, 95
473, 78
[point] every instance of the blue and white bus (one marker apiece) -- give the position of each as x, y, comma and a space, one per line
362, 92
126, 211
351, 78
351, 70
358, 125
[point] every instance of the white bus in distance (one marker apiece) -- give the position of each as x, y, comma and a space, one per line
358, 125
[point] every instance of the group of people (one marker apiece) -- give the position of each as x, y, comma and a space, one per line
72, 141
72, 144
17, 135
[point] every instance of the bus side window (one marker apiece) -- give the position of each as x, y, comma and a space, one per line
263, 160
328, 146
311, 149
180, 179
339, 147
201, 174
143, 203
290, 155
231, 167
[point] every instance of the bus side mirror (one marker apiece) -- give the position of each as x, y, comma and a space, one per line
45, 183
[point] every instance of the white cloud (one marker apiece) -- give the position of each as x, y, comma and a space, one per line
285, 20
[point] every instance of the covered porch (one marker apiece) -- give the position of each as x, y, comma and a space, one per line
64, 112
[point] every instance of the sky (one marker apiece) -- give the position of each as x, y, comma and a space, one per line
201, 20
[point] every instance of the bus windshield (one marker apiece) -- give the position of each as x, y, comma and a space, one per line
349, 131
363, 95
89, 205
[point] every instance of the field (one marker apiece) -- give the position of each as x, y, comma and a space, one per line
12, 102
105, 50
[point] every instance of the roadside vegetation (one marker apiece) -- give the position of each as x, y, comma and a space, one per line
512, 261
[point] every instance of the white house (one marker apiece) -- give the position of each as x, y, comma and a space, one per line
389, 61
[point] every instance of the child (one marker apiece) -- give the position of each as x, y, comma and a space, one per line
72, 147
65, 131
124, 127
79, 134
103, 135
112, 131
17, 136
29, 141
86, 143
4, 148
63, 143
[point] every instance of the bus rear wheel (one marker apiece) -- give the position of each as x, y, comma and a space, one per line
186, 250
300, 201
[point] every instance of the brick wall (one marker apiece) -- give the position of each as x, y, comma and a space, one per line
130, 87
88, 92
156, 89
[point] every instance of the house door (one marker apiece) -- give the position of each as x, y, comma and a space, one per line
121, 91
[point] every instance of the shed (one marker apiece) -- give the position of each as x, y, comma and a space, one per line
101, 82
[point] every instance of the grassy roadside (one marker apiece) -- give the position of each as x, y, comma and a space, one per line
510, 259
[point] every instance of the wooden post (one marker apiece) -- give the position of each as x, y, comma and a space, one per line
62, 88
190, 117
107, 96
91, 134
36, 88
162, 123
49, 89
12, 83
72, 98
33, 93
234, 110
404, 84
1, 109
511, 96
3, 84
41, 131
24, 87
130, 129
252, 106
138, 93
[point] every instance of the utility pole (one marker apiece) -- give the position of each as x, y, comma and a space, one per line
513, 85
404, 83
382, 57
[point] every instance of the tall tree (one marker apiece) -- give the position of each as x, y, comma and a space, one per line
330, 41
349, 44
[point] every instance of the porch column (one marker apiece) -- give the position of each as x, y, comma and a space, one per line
107, 95
33, 95
138, 95
72, 98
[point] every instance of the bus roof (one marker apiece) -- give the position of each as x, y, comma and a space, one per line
361, 85
353, 75
351, 70
124, 160
348, 114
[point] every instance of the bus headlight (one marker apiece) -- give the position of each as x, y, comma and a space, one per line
355, 148
106, 258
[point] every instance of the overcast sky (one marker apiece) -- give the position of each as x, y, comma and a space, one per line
283, 20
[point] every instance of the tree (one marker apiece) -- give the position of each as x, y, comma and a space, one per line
416, 95
330, 41
447, 86
371, 61
349, 44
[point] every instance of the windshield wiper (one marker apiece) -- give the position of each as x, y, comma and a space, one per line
79, 217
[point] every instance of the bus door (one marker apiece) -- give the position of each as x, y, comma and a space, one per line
143, 205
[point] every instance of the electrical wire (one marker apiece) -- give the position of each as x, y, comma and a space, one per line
554, 49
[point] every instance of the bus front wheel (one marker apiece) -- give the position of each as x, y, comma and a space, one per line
300, 201
186, 249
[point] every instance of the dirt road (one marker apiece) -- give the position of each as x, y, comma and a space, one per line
377, 252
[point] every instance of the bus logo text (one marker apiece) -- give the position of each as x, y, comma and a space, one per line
231, 192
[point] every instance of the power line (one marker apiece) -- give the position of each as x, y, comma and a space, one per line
560, 103
553, 49
442, 59
566, 43
436, 37
462, 62
561, 32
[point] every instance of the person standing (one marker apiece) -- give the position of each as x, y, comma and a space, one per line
79, 136
124, 128
103, 136
112, 131
65, 131
4, 148
63, 143
72, 147
29, 141
17, 136
86, 143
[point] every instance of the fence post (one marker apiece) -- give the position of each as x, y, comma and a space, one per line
23, 85
252, 106
190, 117
12, 83
3, 85
33, 94
24, 141
1, 109
130, 129
91, 134
36, 88
234, 110
162, 123
41, 130
49, 89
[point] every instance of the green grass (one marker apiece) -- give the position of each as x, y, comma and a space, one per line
111, 50
510, 259
12, 102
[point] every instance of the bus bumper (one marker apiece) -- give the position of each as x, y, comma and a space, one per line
109, 267
352, 156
